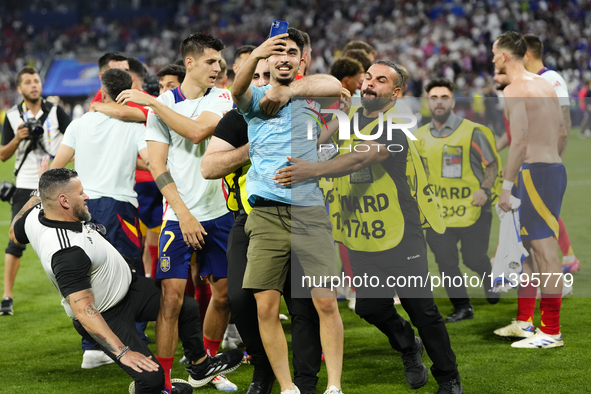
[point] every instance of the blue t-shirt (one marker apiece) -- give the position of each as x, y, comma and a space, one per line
271, 141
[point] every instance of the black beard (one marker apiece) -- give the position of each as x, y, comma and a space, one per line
372, 104
285, 81
443, 117
34, 101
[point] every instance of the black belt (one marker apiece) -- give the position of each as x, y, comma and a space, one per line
263, 202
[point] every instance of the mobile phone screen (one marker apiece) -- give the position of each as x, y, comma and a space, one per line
278, 27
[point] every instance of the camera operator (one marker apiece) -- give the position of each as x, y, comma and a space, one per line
32, 129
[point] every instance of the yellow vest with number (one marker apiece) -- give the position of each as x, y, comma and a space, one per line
236, 182
450, 174
364, 207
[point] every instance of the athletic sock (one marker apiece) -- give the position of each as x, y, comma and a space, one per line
550, 309
564, 241
211, 346
153, 249
526, 302
166, 363
203, 295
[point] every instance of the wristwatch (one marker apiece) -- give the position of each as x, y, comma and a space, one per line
34, 193
486, 190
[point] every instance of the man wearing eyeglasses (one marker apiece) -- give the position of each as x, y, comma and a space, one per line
464, 170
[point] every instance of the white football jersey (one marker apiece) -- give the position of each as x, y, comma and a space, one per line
559, 85
203, 197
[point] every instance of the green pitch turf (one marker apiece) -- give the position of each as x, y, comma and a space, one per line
40, 350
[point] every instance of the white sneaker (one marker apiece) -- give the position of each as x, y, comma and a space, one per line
232, 338
517, 328
539, 340
333, 390
95, 358
294, 391
223, 384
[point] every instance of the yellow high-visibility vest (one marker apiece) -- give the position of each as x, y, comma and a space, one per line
450, 174
236, 182
364, 207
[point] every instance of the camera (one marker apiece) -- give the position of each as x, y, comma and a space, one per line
7, 189
35, 129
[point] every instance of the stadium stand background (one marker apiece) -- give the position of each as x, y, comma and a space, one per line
443, 38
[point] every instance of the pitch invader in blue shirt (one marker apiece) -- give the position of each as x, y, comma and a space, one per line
275, 132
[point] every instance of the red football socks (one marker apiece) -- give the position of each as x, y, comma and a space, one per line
526, 302
203, 295
550, 308
166, 363
564, 240
154, 255
211, 346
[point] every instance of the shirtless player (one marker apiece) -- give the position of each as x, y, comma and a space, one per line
534, 115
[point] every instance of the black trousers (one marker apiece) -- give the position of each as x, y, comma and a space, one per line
142, 304
408, 260
304, 322
474, 249
18, 201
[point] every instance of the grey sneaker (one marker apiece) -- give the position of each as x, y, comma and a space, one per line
6, 306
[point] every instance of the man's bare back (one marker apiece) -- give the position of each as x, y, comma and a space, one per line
534, 114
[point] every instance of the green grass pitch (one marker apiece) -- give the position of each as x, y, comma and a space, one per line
40, 350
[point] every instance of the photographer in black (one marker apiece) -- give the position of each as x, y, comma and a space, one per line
32, 129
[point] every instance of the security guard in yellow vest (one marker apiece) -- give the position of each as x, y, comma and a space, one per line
227, 157
379, 202
464, 171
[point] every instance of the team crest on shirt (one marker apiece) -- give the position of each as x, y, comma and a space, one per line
164, 263
225, 95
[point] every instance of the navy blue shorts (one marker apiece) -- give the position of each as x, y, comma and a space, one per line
175, 255
541, 189
123, 227
150, 204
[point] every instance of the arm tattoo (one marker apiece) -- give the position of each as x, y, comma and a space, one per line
80, 299
164, 179
101, 340
32, 202
490, 174
91, 310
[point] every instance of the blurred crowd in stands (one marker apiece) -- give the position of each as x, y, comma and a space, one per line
440, 38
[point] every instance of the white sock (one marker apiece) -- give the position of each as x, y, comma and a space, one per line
568, 259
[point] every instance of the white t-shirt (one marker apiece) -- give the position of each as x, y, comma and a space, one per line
106, 155
74, 249
204, 198
559, 86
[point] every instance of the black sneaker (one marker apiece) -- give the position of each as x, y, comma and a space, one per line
262, 381
459, 314
453, 386
6, 306
179, 386
221, 364
491, 296
415, 371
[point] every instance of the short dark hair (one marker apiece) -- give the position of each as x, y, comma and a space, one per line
400, 76
345, 67
54, 179
173, 69
104, 60
197, 43
137, 67
514, 42
296, 36
306, 38
360, 55
440, 82
360, 45
115, 81
25, 70
243, 49
534, 45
